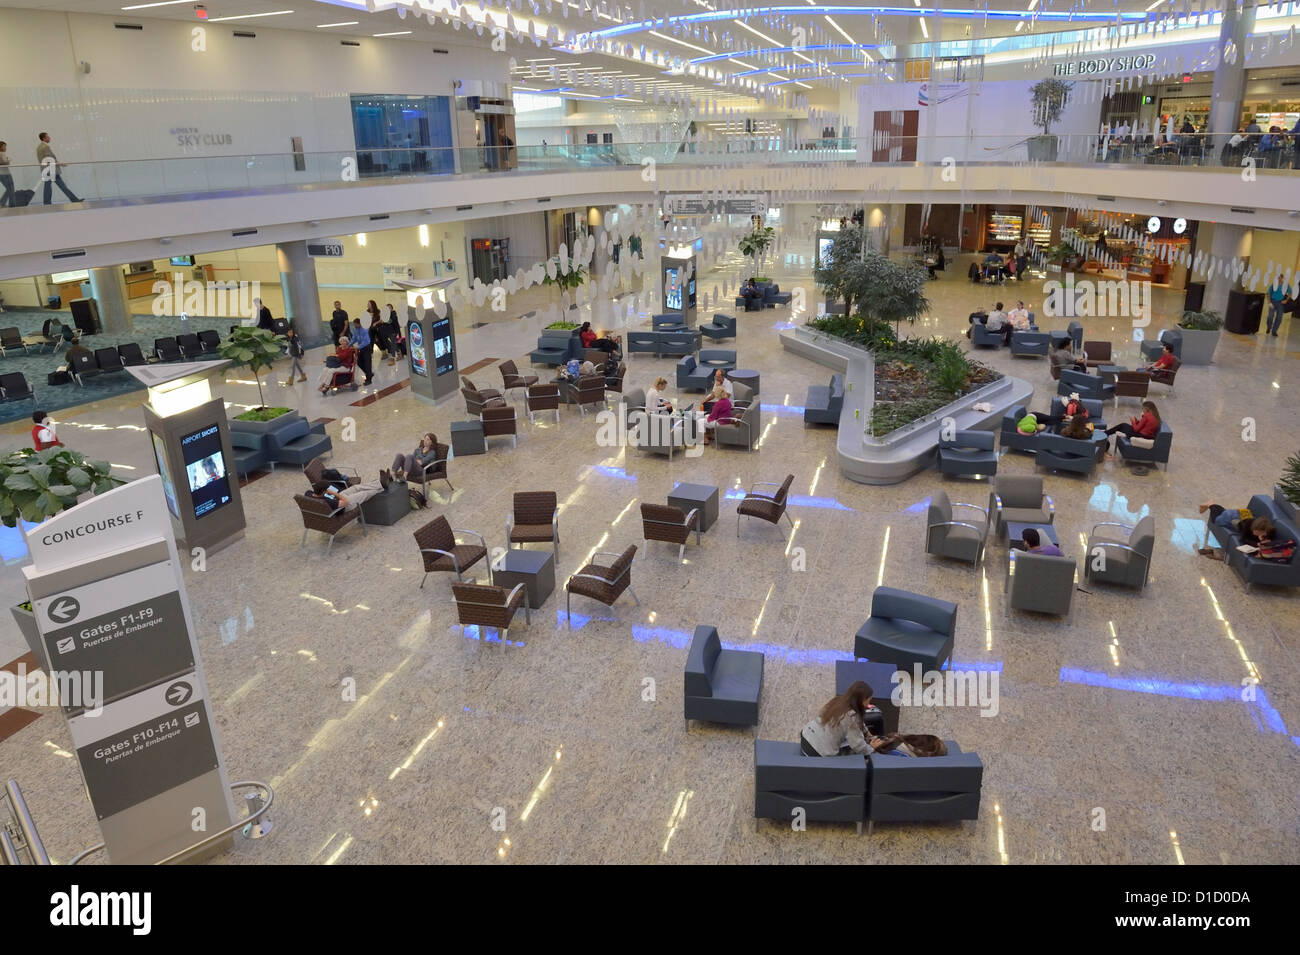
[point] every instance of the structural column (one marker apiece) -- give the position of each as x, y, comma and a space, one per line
1228, 244
1230, 77
301, 296
108, 286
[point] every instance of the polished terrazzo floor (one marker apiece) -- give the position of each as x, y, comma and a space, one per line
1129, 705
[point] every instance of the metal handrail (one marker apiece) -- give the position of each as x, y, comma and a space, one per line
25, 823
248, 820
8, 854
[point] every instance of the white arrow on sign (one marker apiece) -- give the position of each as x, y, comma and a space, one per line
64, 609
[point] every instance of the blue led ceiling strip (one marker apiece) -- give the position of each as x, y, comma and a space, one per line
709, 16
785, 49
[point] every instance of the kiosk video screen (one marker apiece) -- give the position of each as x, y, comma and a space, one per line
443, 360
415, 342
673, 290
205, 467
690, 292
824, 251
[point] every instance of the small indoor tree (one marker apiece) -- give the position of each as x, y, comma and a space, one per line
566, 282
755, 245
1047, 102
890, 292
837, 274
255, 347
35, 485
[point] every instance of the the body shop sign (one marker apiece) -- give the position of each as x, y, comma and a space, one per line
1105, 64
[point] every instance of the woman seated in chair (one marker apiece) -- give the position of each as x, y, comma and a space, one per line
841, 726
915, 745
655, 402
1063, 356
413, 464
612, 346
342, 362
720, 410
1147, 426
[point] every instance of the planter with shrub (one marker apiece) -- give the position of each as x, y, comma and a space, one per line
261, 420
1200, 331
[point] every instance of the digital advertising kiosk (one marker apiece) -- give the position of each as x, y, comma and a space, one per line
677, 281
191, 445
430, 340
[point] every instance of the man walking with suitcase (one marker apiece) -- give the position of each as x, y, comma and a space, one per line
51, 169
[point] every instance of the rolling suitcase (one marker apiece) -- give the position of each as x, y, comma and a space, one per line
23, 197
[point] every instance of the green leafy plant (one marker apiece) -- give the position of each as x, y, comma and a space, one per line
262, 414
756, 243
1203, 321
1290, 480
255, 347
562, 326
887, 416
1047, 101
35, 485
567, 281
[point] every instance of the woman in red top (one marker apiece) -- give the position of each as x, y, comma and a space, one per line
43, 435
610, 346
1147, 426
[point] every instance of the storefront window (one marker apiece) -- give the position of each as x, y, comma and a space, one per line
398, 135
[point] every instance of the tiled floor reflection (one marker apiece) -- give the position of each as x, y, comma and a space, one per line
568, 745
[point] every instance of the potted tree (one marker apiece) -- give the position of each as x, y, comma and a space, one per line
35, 485
566, 282
257, 348
1201, 331
1047, 101
755, 245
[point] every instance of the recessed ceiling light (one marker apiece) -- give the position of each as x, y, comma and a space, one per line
251, 16
396, 33
164, 3
326, 26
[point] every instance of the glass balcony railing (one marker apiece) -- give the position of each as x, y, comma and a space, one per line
118, 182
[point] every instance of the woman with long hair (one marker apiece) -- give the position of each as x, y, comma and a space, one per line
396, 346
1147, 426
412, 465
840, 728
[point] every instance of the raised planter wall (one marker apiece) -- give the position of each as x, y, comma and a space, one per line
893, 458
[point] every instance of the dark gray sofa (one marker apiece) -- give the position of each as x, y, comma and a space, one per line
556, 346
1252, 570
824, 402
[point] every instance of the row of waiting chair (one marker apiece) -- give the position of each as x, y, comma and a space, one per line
174, 348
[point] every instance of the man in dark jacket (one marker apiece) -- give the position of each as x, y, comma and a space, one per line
338, 323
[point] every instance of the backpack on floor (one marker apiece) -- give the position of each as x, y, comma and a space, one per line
418, 501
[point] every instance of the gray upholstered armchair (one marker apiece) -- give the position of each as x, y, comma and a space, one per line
721, 686
906, 628
1122, 554
1040, 583
946, 537
1019, 498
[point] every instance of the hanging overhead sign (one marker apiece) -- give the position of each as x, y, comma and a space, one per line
699, 204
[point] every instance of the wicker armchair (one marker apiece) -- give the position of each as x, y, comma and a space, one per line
511, 379
435, 470
589, 390
663, 522
500, 420
542, 397
614, 379
315, 472
319, 514
767, 507
488, 606
476, 399
534, 519
603, 582
442, 553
